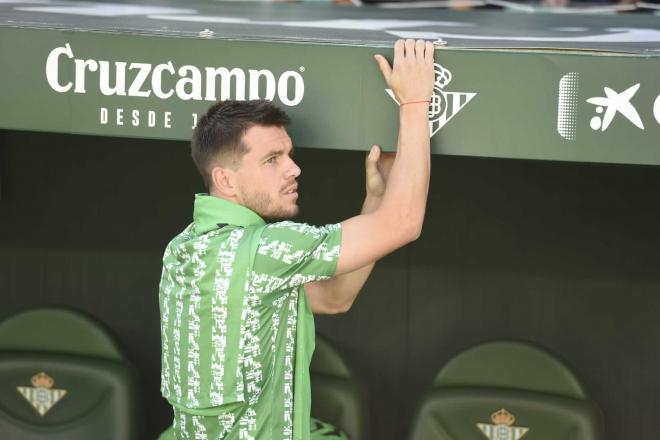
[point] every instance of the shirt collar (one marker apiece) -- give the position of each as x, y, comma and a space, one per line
212, 212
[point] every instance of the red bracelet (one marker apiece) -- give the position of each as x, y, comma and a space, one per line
415, 102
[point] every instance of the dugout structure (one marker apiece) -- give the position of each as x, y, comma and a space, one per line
542, 218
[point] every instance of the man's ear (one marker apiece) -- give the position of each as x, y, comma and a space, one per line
223, 181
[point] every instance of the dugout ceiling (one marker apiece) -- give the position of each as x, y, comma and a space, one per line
571, 86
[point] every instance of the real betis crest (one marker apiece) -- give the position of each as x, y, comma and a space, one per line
41, 395
444, 105
502, 427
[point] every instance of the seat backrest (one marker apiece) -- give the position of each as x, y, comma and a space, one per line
62, 376
510, 365
328, 361
337, 396
57, 330
506, 389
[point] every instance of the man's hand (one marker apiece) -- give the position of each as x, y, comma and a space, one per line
397, 186
378, 166
411, 78
399, 217
337, 294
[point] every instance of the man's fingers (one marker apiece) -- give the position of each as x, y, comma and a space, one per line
419, 49
410, 50
384, 67
411, 75
399, 50
373, 156
371, 162
428, 53
372, 171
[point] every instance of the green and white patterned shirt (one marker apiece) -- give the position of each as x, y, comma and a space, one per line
237, 331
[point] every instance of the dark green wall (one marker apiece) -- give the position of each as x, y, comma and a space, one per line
564, 255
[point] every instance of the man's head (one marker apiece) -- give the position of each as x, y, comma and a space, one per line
243, 152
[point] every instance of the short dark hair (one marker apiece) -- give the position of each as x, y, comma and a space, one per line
219, 133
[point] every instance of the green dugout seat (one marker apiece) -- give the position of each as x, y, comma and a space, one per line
62, 377
337, 397
506, 391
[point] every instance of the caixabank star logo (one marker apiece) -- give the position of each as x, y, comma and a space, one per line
444, 104
607, 108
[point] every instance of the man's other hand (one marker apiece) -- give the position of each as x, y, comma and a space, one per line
398, 220
377, 166
412, 75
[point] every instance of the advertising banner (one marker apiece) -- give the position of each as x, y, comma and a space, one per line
576, 105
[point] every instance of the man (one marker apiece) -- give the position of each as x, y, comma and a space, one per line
237, 293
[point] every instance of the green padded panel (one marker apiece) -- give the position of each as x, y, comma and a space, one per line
341, 402
57, 330
512, 365
327, 360
337, 397
99, 403
453, 414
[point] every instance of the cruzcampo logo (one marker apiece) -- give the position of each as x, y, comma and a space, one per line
444, 105
502, 427
41, 394
144, 80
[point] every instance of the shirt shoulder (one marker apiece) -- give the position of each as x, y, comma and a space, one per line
290, 254
188, 242
293, 231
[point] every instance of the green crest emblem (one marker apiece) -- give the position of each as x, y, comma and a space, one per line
502, 427
41, 394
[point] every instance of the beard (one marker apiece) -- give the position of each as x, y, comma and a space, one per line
262, 203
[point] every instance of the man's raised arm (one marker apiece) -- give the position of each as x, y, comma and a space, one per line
398, 220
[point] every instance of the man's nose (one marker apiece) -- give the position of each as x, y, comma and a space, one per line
294, 169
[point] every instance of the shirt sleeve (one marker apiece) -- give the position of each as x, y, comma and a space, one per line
291, 254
